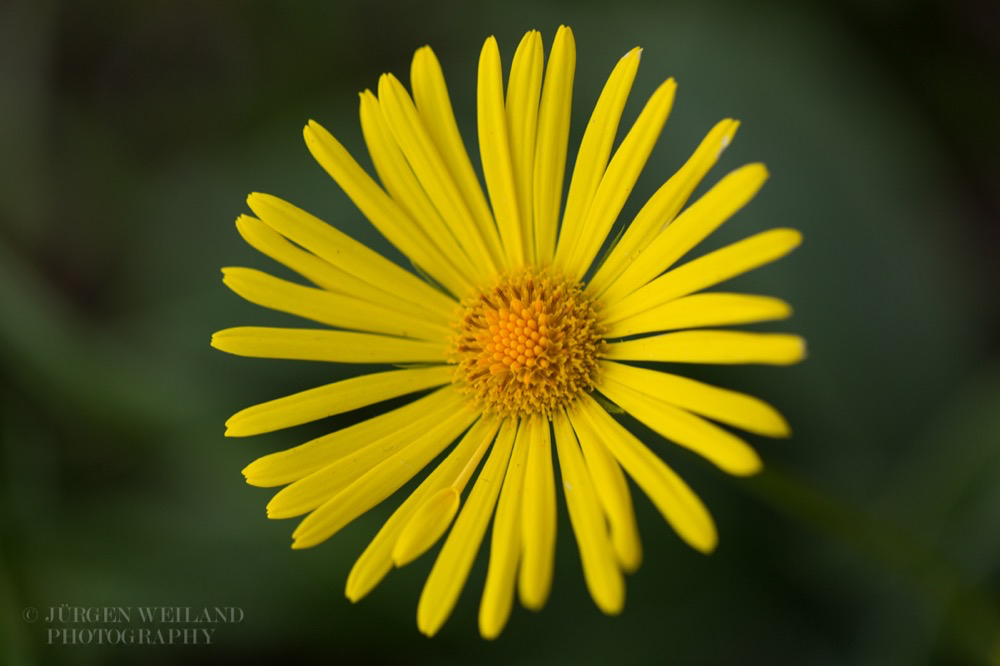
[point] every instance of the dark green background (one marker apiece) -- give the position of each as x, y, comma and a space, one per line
131, 133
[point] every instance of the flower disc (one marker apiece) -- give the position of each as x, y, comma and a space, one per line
528, 345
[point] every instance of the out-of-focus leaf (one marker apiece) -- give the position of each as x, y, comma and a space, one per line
55, 357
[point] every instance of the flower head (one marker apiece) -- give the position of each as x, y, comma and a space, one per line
515, 336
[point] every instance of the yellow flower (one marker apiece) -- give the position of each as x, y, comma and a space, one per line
510, 335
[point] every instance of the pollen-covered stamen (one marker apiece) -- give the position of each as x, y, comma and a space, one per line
529, 344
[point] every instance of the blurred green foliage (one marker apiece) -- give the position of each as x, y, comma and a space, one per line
131, 132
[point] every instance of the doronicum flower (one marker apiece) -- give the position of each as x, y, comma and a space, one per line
515, 343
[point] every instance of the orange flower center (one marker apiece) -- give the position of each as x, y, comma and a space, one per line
528, 345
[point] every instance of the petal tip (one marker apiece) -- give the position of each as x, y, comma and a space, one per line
490, 627
750, 467
613, 605
780, 428
709, 546
634, 52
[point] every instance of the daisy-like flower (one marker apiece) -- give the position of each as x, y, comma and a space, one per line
514, 340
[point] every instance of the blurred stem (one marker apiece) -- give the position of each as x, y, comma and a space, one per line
974, 623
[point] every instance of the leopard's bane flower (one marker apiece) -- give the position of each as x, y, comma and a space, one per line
510, 353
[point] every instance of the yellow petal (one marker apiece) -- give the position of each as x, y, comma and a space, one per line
403, 120
434, 106
553, 137
505, 545
376, 561
706, 271
494, 147
663, 205
309, 492
400, 181
306, 344
343, 251
727, 451
378, 483
335, 398
327, 307
692, 226
523, 91
451, 569
538, 519
380, 209
613, 492
600, 569
729, 407
700, 310
674, 498
434, 516
620, 178
592, 157
708, 346
286, 466
320, 272
426, 526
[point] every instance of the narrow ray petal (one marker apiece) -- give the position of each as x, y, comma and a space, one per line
538, 519
306, 344
706, 271
404, 187
334, 398
620, 178
320, 272
403, 120
431, 98
523, 92
429, 522
613, 492
309, 492
708, 346
552, 139
595, 148
701, 310
327, 307
378, 483
720, 447
380, 209
376, 561
729, 407
451, 569
281, 467
661, 208
600, 569
690, 228
494, 148
343, 251
674, 498
505, 544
